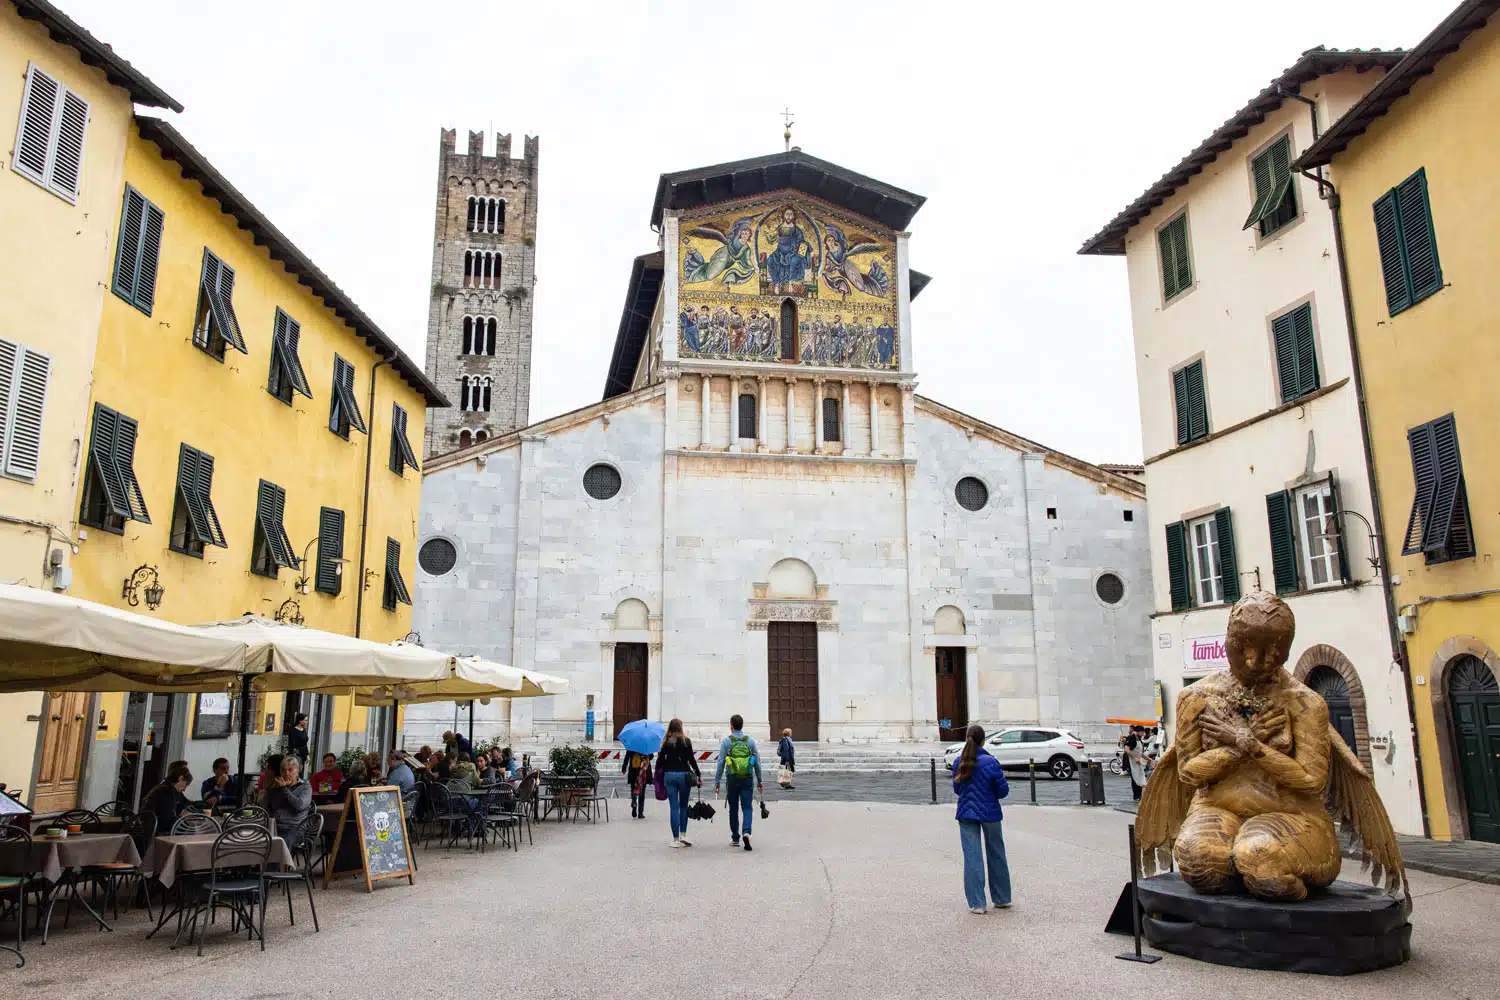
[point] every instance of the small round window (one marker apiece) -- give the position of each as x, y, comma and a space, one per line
971, 493
1110, 588
602, 481
437, 556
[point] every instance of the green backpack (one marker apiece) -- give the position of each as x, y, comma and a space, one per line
739, 762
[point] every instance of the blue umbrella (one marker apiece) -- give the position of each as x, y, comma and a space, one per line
643, 736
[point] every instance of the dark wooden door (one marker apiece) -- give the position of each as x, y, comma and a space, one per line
792, 688
952, 692
630, 683
1334, 690
1475, 698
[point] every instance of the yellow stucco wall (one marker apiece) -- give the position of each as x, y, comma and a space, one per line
148, 368
52, 255
1437, 357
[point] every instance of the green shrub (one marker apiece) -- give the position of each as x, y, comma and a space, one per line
571, 761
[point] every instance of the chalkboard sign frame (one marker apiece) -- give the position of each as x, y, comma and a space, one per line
352, 802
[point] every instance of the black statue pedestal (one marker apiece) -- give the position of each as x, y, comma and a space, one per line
1344, 929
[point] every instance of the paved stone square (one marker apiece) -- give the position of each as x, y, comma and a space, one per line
837, 900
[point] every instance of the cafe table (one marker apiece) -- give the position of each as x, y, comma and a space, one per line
57, 860
171, 857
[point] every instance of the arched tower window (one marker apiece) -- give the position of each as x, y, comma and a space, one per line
747, 415
464, 440
481, 437
489, 341
468, 268
473, 211
830, 419
486, 399
788, 330
468, 335
463, 396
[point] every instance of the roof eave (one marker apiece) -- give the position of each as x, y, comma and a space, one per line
196, 167
93, 52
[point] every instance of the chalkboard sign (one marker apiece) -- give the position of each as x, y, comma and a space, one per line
372, 838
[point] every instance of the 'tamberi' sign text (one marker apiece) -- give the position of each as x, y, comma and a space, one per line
1204, 654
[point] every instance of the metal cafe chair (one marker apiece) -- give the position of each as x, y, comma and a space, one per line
16, 842
301, 841
237, 879
189, 824
74, 817
112, 876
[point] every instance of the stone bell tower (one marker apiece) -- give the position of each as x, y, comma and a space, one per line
483, 274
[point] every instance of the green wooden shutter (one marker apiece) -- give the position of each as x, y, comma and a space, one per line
187, 488
128, 249
1438, 538
1392, 256
1424, 495
150, 257
396, 591
1180, 404
1177, 566
1284, 337
327, 579
401, 451
1176, 269
270, 510
290, 340
232, 334
351, 404
1338, 531
126, 431
1260, 167
1228, 564
1418, 241
1197, 400
1307, 351
206, 498
1281, 519
102, 446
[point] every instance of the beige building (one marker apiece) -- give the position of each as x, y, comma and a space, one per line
1250, 416
70, 99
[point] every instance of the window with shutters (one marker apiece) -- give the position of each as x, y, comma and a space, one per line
111, 493
271, 549
1407, 243
343, 408
395, 586
402, 456
138, 251
1201, 564
195, 523
24, 375
328, 577
1208, 572
1176, 263
1275, 188
747, 415
1190, 402
1296, 353
216, 326
1318, 534
50, 134
1439, 527
286, 367
830, 419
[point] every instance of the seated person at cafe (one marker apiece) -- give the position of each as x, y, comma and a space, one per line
489, 769
359, 775
441, 765
373, 765
290, 801
166, 801
330, 780
220, 790
269, 775
400, 773
509, 764
464, 770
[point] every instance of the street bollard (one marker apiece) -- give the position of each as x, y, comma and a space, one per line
1031, 779
933, 762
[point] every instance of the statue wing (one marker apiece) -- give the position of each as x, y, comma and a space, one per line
1356, 807
1164, 806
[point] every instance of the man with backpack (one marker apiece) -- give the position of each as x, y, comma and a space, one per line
739, 756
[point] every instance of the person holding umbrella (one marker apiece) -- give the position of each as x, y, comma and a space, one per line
641, 739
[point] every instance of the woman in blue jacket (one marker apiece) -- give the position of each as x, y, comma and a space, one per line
980, 784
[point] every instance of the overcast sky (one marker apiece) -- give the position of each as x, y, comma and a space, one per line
1026, 131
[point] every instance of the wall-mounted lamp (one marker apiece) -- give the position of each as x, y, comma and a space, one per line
303, 583
415, 638
143, 582
1332, 534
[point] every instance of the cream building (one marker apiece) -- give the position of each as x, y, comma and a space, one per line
69, 98
1250, 414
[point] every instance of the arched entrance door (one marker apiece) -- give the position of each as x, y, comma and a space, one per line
1475, 700
1332, 687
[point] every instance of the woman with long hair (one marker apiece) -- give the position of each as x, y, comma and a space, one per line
679, 766
979, 782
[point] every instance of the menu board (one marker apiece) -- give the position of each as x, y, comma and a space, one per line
372, 838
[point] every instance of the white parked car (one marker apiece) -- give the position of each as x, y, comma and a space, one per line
1056, 751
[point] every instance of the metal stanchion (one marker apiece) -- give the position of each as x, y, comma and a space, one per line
933, 762
1031, 779
1135, 906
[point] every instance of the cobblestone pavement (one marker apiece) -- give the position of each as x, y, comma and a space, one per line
900, 787
856, 900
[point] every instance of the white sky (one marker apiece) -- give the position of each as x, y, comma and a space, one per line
1026, 131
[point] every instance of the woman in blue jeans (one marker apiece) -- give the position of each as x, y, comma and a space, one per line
679, 767
979, 782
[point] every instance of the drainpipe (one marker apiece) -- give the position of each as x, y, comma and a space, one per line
1327, 191
364, 516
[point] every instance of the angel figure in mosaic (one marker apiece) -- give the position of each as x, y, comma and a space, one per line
1239, 798
841, 271
731, 264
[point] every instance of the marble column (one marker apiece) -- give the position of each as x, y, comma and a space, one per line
817, 415
706, 392
874, 420
791, 409
760, 422
733, 442
844, 420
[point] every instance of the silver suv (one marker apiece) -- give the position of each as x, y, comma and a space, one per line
1056, 751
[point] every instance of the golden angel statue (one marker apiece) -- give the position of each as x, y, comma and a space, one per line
1247, 785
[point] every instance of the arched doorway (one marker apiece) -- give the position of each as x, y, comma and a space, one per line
1474, 700
1335, 691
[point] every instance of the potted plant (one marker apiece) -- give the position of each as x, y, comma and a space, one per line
579, 766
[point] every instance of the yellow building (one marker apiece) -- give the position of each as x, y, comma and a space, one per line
1414, 166
71, 97
252, 447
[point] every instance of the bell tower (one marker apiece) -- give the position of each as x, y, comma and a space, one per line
483, 275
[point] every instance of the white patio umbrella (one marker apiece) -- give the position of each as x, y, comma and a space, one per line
54, 642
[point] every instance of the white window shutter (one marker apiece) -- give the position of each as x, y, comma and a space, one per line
10, 364
34, 133
23, 456
66, 177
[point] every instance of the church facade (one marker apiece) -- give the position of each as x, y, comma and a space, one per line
762, 516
